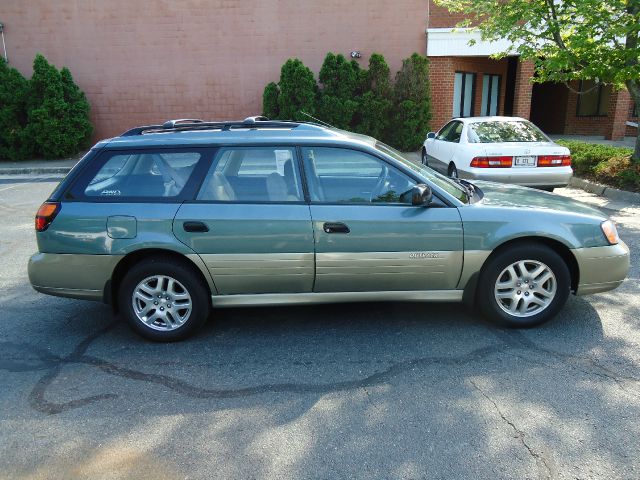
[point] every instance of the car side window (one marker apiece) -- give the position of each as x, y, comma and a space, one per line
340, 175
444, 131
253, 174
455, 132
145, 174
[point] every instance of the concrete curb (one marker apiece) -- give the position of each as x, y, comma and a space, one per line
605, 191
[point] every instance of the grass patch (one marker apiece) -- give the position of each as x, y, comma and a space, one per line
604, 163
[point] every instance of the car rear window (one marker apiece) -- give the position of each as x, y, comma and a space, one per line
504, 131
143, 174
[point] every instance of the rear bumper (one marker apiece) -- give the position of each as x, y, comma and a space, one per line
70, 275
602, 268
529, 177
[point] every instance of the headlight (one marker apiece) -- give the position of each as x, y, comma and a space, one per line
610, 231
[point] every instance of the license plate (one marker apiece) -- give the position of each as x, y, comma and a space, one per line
527, 161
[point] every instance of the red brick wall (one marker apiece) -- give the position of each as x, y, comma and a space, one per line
145, 62
442, 74
611, 126
440, 17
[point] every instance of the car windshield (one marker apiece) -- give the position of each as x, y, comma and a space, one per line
499, 131
446, 184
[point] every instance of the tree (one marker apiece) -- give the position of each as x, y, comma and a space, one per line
375, 103
270, 101
337, 99
412, 106
13, 118
568, 40
78, 128
298, 90
57, 111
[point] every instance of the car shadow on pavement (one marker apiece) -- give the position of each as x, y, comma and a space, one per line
307, 382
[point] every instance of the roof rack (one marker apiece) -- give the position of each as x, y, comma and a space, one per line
188, 124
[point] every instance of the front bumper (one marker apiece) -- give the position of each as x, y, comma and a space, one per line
602, 268
71, 275
528, 177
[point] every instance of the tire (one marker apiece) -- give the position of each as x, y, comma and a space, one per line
176, 290
535, 304
452, 171
425, 159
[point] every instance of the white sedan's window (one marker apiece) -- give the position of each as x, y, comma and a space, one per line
504, 131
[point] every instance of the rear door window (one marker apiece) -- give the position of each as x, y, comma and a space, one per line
142, 174
253, 174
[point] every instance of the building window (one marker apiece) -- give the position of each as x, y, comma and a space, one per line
594, 102
490, 94
634, 112
464, 88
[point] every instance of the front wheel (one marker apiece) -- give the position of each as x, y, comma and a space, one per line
523, 286
425, 159
163, 300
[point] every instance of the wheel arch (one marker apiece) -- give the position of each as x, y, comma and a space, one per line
557, 246
137, 256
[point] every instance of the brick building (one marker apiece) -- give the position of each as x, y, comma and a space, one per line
143, 62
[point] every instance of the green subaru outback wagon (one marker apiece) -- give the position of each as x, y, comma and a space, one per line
169, 221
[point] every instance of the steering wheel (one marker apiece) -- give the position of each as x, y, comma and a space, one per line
381, 182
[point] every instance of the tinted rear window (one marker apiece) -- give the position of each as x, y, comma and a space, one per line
505, 131
143, 174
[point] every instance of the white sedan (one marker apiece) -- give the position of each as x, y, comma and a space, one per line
498, 149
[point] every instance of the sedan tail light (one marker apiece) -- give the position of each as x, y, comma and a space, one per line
554, 160
46, 213
492, 162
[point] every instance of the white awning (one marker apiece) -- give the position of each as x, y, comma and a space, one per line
454, 42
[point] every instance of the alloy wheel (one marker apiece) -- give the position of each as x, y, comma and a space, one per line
525, 288
161, 303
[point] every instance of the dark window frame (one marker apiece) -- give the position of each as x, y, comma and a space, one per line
76, 190
462, 92
580, 95
491, 77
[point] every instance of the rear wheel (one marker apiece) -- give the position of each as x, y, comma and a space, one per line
163, 300
452, 171
523, 286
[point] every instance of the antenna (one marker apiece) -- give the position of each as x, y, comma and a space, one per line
317, 119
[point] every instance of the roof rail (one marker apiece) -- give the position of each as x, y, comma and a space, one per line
186, 124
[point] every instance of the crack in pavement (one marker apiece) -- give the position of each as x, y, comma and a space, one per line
539, 457
583, 364
53, 364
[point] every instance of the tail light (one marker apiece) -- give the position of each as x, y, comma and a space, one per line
46, 213
491, 162
554, 160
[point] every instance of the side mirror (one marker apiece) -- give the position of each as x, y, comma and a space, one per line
421, 195
431, 135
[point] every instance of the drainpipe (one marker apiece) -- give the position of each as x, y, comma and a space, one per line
4, 46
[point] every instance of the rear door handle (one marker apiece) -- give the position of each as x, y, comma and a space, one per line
335, 227
195, 227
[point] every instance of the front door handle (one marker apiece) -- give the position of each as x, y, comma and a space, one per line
195, 227
335, 227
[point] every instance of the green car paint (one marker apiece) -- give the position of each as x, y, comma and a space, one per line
279, 252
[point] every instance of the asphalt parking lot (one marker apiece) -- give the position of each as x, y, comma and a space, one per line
395, 390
